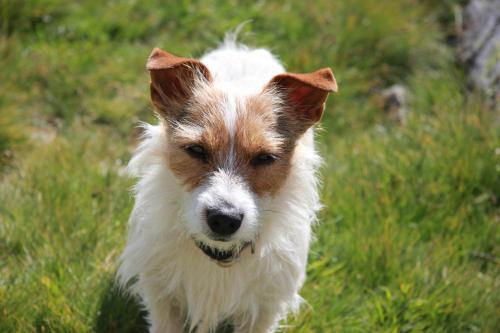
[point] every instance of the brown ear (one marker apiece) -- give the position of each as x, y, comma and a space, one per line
304, 95
172, 80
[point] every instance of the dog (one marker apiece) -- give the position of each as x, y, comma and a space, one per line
227, 190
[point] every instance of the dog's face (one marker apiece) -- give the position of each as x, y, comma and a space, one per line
231, 151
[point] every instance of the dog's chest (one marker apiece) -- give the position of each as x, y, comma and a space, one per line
209, 292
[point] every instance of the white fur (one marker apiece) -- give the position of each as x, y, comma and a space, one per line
221, 190
174, 277
235, 67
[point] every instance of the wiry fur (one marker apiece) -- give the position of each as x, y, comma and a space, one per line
179, 284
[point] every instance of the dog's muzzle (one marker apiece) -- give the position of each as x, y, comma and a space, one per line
225, 258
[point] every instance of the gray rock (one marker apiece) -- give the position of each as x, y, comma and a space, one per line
480, 46
395, 102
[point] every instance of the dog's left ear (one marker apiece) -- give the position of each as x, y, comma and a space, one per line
304, 95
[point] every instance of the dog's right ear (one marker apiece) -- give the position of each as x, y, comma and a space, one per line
172, 81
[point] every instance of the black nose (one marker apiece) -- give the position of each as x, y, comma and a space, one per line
222, 223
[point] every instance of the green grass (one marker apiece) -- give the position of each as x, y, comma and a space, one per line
409, 237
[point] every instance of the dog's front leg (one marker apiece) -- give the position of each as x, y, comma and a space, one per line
165, 318
266, 322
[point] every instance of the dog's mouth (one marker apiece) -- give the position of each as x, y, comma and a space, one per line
224, 258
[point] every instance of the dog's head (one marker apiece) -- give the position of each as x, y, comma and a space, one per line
231, 150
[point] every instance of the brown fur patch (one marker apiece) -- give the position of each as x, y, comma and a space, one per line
205, 114
255, 132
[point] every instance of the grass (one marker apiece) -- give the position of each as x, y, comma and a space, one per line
409, 237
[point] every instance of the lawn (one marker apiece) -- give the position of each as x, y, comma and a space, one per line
408, 239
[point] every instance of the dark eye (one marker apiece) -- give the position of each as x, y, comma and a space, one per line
264, 159
196, 151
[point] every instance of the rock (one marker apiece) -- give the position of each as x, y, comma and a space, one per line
395, 102
480, 46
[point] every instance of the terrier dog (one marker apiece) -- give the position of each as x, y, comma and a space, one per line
227, 190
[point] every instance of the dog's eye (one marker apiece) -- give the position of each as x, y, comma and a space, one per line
196, 151
264, 159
